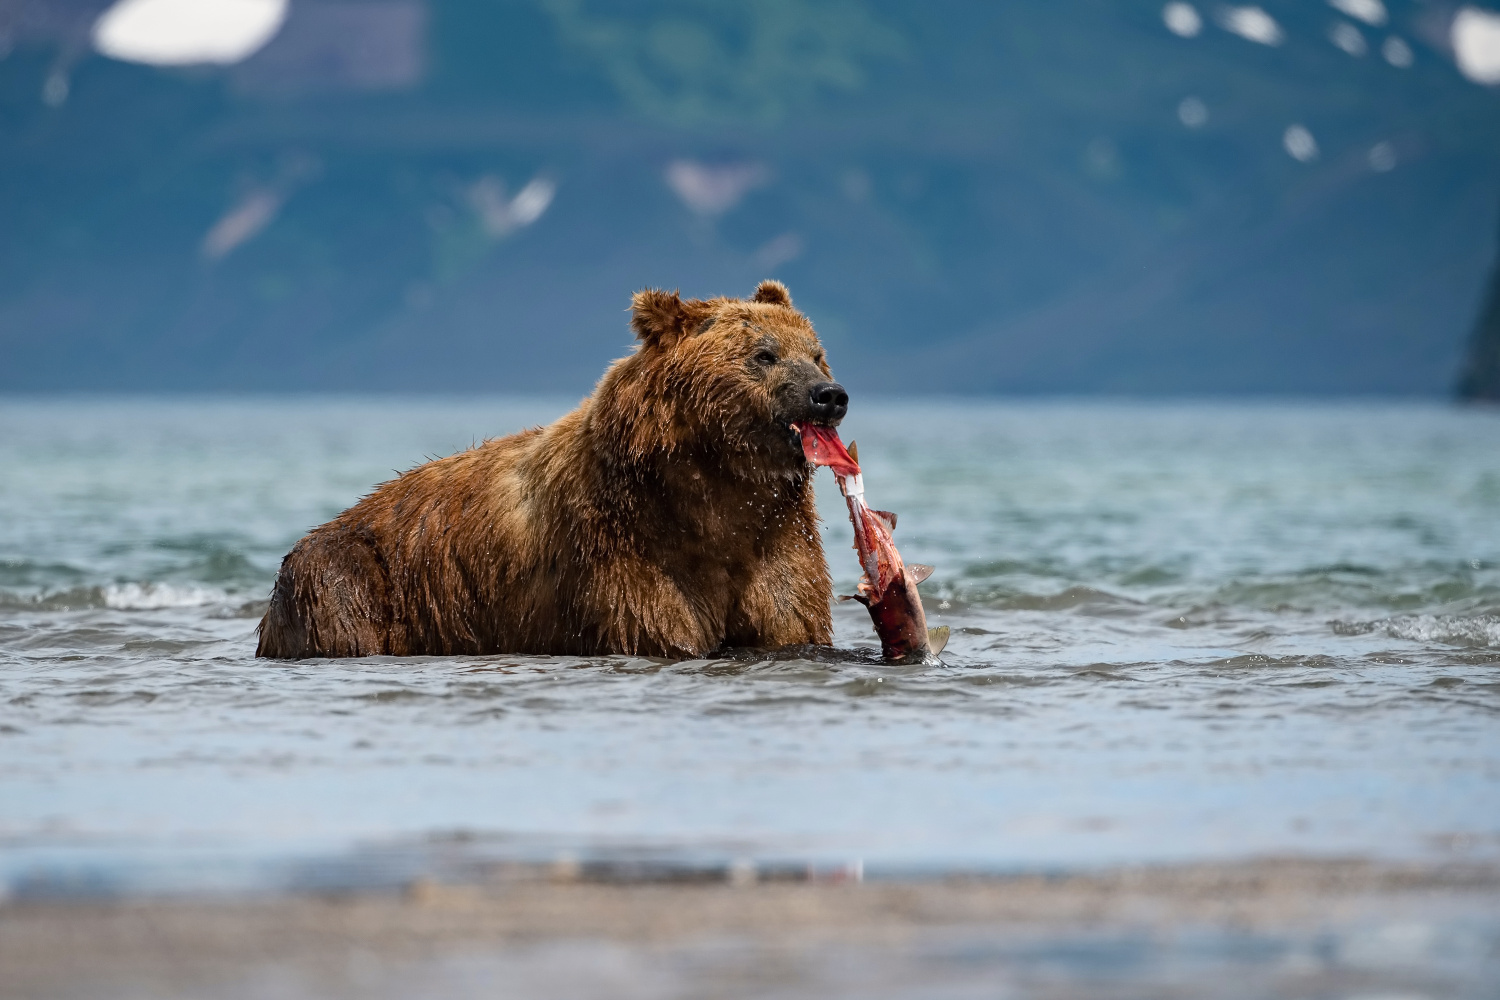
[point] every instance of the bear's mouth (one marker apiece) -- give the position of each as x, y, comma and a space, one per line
821, 446
793, 437
798, 423
796, 435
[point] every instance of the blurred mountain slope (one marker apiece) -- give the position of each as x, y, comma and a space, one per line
964, 196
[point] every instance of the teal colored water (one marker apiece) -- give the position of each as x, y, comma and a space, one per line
1180, 631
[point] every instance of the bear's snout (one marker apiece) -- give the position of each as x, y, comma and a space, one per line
829, 402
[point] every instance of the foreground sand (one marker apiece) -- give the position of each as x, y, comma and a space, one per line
1269, 928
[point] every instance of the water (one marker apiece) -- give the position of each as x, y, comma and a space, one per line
1181, 632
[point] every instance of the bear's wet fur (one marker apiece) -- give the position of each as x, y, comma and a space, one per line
670, 515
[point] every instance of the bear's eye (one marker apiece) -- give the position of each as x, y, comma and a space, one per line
766, 357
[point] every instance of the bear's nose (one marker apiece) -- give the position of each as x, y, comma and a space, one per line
829, 401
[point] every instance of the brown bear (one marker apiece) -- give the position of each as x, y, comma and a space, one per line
671, 514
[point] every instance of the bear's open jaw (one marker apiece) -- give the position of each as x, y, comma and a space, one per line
796, 436
795, 428
820, 445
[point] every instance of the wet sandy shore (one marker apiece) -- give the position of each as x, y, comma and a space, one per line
1280, 928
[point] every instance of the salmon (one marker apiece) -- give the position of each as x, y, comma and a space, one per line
887, 586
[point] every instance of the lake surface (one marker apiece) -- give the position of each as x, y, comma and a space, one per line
1180, 632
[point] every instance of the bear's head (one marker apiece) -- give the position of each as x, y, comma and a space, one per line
722, 380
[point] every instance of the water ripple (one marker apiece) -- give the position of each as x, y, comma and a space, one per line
1176, 633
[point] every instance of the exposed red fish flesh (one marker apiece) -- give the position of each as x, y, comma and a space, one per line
888, 587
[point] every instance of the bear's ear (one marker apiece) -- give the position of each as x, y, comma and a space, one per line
660, 319
772, 292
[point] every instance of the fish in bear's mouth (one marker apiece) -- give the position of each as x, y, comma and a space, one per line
821, 445
887, 587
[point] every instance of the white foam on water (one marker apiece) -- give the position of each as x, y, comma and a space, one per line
155, 596
1449, 630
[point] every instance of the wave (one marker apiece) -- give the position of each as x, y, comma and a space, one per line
1120, 586
1482, 631
71, 599
156, 596
1079, 598
144, 596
